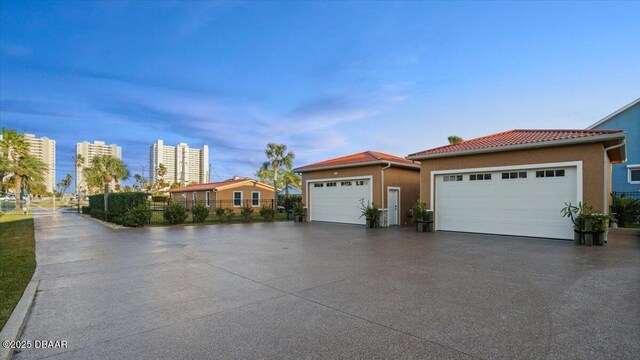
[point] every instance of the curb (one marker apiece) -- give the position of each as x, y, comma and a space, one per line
14, 326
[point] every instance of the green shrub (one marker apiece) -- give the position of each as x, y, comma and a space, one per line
97, 214
175, 213
136, 217
267, 213
121, 203
159, 198
625, 210
96, 201
200, 213
223, 214
86, 210
245, 213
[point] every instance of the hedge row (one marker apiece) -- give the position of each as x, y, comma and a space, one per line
128, 209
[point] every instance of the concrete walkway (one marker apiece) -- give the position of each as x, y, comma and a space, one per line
286, 290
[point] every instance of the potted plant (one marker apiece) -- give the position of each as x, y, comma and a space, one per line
579, 216
371, 213
298, 212
600, 224
421, 215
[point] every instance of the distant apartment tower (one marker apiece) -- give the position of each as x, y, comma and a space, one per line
184, 165
88, 151
44, 149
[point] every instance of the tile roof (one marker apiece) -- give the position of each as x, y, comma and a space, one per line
211, 186
514, 137
362, 158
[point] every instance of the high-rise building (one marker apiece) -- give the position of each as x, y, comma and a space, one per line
44, 149
88, 151
184, 164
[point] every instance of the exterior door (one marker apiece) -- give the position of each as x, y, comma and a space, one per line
516, 202
393, 201
338, 200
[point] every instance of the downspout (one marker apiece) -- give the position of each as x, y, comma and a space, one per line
382, 190
605, 195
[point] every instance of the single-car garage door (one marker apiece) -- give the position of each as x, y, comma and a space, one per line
515, 202
339, 200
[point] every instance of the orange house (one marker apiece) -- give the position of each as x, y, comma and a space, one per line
233, 194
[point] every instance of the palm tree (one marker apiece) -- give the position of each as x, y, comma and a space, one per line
290, 177
79, 161
64, 184
453, 139
106, 169
161, 172
278, 156
24, 170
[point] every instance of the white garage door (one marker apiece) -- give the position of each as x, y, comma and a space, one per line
339, 200
514, 202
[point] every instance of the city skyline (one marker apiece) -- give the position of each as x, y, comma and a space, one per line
326, 79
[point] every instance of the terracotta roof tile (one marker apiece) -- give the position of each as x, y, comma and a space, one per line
356, 159
210, 186
514, 137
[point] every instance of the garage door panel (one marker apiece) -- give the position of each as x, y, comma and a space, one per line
514, 206
338, 203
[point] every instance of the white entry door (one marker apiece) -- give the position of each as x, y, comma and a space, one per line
393, 204
338, 200
515, 202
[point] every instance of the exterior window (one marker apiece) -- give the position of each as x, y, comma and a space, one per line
359, 182
549, 173
452, 178
331, 184
255, 198
237, 198
633, 174
318, 185
194, 198
207, 198
515, 175
345, 183
479, 177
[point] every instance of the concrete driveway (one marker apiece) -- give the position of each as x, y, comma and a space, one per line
286, 290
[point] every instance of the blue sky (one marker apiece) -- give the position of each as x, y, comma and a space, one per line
326, 78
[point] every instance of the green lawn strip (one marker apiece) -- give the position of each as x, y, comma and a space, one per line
17, 260
632, 226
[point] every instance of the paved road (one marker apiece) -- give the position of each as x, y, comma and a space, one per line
293, 291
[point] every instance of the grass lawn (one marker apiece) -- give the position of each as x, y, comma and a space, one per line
17, 260
633, 226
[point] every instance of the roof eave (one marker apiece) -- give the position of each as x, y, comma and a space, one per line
378, 162
586, 139
613, 114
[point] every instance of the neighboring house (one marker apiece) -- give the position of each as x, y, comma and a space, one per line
232, 193
332, 189
515, 182
292, 190
626, 177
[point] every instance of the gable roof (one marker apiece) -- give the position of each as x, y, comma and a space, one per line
220, 185
359, 159
519, 139
613, 114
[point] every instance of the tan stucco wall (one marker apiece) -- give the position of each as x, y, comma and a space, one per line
590, 154
225, 195
406, 179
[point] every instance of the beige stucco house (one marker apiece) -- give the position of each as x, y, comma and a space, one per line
332, 190
516, 182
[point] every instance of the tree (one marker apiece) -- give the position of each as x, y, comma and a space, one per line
277, 156
106, 168
79, 161
23, 170
453, 139
175, 185
290, 177
127, 188
160, 182
64, 184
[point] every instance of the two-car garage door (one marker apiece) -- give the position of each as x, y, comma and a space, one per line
339, 200
523, 202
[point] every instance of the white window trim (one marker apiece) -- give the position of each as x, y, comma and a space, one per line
207, 199
629, 168
576, 164
255, 192
234, 198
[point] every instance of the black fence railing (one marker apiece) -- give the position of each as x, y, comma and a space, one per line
236, 206
628, 195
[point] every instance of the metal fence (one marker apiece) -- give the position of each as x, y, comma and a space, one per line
628, 195
158, 208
